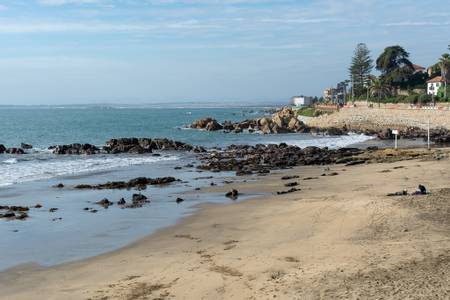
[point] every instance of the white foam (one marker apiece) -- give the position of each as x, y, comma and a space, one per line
331, 142
11, 161
31, 170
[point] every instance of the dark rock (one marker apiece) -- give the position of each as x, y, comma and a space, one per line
53, 209
233, 194
293, 190
291, 184
76, 149
179, 200
122, 202
15, 151
355, 162
139, 182
105, 203
2, 148
290, 177
26, 146
38, 206
59, 186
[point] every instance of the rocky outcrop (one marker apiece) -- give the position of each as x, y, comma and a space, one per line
126, 145
282, 121
2, 148
146, 145
78, 149
26, 146
260, 159
15, 151
140, 183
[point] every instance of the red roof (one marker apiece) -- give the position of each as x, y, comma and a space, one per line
436, 79
418, 68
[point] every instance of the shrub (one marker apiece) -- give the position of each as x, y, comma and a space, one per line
425, 98
413, 98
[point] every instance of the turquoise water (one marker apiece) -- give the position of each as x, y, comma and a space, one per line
43, 127
46, 126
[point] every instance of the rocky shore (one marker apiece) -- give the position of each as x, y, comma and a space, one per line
262, 159
286, 120
113, 146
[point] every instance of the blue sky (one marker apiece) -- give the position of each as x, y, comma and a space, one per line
142, 51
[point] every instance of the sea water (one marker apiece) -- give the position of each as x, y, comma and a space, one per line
72, 233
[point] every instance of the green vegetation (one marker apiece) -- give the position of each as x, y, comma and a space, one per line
360, 68
399, 82
310, 112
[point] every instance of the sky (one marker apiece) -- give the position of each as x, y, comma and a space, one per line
245, 51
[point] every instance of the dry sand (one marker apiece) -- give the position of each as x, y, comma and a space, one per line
339, 237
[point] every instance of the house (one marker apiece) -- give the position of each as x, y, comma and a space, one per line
302, 101
335, 95
434, 84
418, 69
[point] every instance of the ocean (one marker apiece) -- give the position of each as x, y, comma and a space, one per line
71, 233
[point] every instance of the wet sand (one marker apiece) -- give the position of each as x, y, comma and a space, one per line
340, 237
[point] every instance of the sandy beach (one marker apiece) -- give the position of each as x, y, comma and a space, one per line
340, 237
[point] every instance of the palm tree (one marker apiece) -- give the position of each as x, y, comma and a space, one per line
444, 63
378, 88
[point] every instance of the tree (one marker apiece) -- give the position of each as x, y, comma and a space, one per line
395, 66
378, 88
444, 63
360, 68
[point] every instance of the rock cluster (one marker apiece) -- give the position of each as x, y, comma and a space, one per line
137, 200
126, 145
75, 149
14, 212
245, 159
282, 121
140, 183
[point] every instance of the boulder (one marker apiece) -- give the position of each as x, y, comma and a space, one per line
15, 151
26, 146
2, 148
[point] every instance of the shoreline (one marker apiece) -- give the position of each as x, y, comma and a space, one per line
165, 238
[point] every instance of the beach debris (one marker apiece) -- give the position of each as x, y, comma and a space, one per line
290, 177
291, 184
310, 178
179, 200
293, 190
139, 182
233, 194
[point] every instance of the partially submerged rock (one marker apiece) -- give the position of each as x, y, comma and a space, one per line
140, 182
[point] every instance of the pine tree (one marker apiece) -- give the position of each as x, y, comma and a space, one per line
360, 68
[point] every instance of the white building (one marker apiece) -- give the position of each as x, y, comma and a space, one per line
434, 84
301, 101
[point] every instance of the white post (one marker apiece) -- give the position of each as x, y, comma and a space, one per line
395, 133
429, 134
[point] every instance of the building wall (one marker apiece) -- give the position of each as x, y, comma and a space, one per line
432, 88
